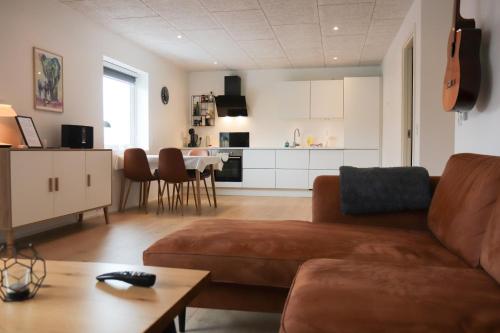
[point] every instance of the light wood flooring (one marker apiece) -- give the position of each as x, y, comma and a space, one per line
131, 232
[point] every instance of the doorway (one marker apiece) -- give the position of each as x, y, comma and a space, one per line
408, 103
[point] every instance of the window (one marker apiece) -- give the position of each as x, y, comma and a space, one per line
125, 107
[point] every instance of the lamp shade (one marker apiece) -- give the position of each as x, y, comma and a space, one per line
7, 111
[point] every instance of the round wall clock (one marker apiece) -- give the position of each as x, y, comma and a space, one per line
165, 95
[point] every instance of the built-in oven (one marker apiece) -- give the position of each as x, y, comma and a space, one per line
232, 171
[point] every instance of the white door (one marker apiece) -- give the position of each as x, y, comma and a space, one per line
259, 178
294, 99
97, 179
259, 159
362, 113
362, 158
32, 198
326, 159
327, 99
69, 179
292, 159
292, 179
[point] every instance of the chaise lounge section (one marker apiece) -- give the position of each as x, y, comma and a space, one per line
403, 257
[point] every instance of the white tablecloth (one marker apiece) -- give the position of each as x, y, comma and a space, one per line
192, 162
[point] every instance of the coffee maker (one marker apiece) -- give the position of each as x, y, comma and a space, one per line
194, 141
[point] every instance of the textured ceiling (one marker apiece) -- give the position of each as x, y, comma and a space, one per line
245, 34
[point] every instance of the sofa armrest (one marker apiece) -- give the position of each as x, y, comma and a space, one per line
326, 208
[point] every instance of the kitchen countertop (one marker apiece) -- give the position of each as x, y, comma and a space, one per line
278, 148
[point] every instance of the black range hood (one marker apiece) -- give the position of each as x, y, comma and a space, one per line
231, 104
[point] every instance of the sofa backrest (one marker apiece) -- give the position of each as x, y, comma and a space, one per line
463, 203
490, 252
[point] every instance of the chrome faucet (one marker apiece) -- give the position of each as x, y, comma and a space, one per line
296, 133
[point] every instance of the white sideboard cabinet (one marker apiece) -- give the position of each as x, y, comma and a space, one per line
38, 185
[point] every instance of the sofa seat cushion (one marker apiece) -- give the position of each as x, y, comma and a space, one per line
268, 253
348, 296
463, 203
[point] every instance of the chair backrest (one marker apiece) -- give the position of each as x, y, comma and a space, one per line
171, 167
198, 152
136, 165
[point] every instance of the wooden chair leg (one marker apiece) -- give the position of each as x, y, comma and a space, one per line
206, 190
122, 191
182, 198
159, 199
187, 196
168, 193
182, 320
126, 195
194, 195
174, 187
147, 187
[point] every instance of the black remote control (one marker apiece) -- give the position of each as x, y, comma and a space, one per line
140, 279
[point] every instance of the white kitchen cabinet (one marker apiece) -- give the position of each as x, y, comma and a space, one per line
315, 173
259, 159
327, 99
32, 196
362, 158
293, 99
326, 159
362, 113
259, 178
292, 179
69, 182
98, 178
292, 159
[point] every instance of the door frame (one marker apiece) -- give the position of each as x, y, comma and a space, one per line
408, 102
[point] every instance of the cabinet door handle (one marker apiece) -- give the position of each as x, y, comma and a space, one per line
89, 180
50, 185
57, 184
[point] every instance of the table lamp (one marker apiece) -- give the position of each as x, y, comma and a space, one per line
6, 111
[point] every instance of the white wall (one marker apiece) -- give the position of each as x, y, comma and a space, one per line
480, 133
51, 25
266, 124
429, 22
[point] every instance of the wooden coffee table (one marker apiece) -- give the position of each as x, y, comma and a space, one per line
72, 300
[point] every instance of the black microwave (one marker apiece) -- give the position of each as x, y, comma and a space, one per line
77, 137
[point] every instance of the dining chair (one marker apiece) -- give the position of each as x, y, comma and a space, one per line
172, 170
203, 176
136, 169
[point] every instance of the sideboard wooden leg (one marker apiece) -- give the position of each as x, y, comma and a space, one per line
80, 218
106, 215
10, 240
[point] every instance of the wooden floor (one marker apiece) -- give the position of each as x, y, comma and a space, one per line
130, 233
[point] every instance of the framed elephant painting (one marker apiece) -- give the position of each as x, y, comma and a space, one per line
48, 80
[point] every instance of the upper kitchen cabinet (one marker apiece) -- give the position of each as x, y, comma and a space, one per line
362, 113
294, 99
327, 99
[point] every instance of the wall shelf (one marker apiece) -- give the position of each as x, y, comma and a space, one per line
202, 110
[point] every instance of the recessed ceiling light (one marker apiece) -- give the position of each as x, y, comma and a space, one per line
335, 58
179, 36
215, 62
335, 28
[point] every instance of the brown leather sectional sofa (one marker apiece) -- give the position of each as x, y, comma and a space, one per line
435, 271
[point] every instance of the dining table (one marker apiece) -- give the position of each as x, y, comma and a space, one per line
196, 163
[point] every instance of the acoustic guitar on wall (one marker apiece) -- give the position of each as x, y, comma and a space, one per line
463, 71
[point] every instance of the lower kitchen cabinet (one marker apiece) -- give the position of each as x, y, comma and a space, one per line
292, 179
259, 178
315, 173
362, 158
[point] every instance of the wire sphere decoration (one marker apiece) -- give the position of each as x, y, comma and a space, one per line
22, 273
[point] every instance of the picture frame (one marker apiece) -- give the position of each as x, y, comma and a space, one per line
29, 132
48, 81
